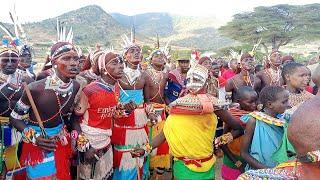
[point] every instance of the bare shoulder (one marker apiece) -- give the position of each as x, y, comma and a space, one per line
311, 106
144, 74
230, 84
41, 75
76, 85
37, 87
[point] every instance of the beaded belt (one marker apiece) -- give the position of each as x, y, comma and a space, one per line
129, 127
124, 148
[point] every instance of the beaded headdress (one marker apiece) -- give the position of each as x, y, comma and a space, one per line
129, 43
160, 50
196, 78
12, 42
63, 43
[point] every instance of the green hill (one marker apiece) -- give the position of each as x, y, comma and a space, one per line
183, 31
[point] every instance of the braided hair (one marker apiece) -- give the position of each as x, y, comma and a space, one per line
242, 91
269, 94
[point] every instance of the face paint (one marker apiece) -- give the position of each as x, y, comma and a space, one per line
112, 65
68, 64
275, 59
196, 78
114, 68
9, 62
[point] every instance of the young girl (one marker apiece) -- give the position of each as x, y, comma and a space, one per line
263, 132
233, 163
296, 77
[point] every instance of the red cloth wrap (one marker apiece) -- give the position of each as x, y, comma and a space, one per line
33, 155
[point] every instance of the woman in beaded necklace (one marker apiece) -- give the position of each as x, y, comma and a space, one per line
296, 78
304, 135
263, 132
190, 129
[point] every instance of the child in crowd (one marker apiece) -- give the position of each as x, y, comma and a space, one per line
264, 131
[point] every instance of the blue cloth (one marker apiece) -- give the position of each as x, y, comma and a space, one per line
130, 174
172, 90
46, 168
135, 95
266, 140
50, 131
8, 132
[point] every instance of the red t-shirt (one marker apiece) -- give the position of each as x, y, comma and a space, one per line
222, 81
309, 89
228, 74
101, 105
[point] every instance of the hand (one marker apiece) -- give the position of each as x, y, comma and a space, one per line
137, 152
130, 106
90, 156
153, 118
242, 167
224, 139
46, 144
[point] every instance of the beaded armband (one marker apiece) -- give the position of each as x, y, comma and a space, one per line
224, 139
20, 111
310, 157
238, 164
82, 143
20, 106
29, 135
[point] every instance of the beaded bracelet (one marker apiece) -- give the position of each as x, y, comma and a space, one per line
225, 139
29, 135
238, 164
147, 149
82, 143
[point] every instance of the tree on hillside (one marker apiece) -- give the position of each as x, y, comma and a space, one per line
276, 25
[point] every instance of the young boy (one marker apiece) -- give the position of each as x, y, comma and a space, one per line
233, 163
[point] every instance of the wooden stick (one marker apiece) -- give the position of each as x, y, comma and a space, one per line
78, 172
34, 107
137, 166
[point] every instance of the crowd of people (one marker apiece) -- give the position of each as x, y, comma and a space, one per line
118, 115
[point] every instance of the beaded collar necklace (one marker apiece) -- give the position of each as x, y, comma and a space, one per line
56, 84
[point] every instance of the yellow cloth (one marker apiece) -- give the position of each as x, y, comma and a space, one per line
192, 136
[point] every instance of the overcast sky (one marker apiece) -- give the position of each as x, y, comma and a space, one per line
36, 10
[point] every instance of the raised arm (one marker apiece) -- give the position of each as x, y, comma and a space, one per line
246, 144
226, 117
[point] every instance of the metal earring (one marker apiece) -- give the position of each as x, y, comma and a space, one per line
55, 66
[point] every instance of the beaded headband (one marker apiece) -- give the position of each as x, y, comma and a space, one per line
9, 50
65, 48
